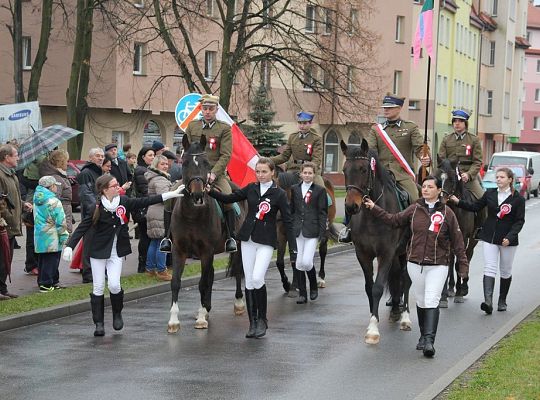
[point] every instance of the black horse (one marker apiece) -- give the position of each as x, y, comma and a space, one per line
285, 181
449, 173
365, 176
197, 228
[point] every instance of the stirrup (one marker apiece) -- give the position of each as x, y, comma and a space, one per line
230, 245
165, 246
344, 235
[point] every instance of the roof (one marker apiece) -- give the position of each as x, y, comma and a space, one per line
522, 42
474, 19
489, 23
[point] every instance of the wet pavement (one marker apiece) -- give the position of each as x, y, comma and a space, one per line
313, 351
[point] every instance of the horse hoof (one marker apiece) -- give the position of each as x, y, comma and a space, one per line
405, 326
321, 283
372, 339
443, 304
201, 324
239, 307
451, 292
286, 286
459, 299
292, 293
394, 316
173, 328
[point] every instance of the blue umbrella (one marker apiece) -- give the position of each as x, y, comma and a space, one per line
42, 142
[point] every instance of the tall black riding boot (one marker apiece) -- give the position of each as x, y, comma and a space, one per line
421, 341
431, 321
260, 300
503, 291
313, 288
230, 221
98, 309
302, 290
117, 304
251, 305
489, 284
165, 246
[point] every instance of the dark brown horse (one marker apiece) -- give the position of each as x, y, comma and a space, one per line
365, 176
468, 223
197, 228
285, 181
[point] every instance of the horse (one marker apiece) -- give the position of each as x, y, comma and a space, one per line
449, 174
197, 228
285, 180
365, 176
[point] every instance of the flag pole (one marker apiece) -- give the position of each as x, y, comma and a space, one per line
425, 148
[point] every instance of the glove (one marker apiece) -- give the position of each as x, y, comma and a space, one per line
175, 193
293, 255
67, 254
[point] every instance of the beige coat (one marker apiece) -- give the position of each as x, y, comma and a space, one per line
158, 183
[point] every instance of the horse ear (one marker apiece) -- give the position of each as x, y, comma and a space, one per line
343, 147
185, 142
203, 142
364, 146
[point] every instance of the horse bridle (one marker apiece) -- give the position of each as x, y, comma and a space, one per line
367, 191
195, 178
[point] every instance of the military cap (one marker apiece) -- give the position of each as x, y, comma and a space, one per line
209, 99
111, 146
460, 114
47, 181
304, 116
392, 100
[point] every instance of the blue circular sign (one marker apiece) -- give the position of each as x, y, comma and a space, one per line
185, 106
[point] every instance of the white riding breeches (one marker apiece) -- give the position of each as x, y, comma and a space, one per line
498, 257
427, 283
306, 251
256, 258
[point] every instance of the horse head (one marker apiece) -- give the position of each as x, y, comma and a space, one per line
449, 174
358, 173
195, 169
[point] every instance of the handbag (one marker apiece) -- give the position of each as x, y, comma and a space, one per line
140, 215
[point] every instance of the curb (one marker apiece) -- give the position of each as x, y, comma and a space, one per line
80, 306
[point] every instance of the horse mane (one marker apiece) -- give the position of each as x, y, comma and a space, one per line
449, 168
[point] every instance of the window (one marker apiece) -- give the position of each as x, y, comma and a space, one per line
151, 133
266, 12
138, 3
512, 10
537, 95
310, 18
447, 34
529, 36
536, 124
309, 77
414, 105
421, 51
445, 91
209, 65
27, 52
442, 29
492, 53
210, 8
265, 73
328, 16
350, 79
506, 105
494, 6
353, 21
400, 23
325, 81
489, 102
509, 55
118, 138
396, 87
138, 59
537, 66
331, 152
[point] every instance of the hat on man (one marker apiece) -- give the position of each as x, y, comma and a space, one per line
304, 116
157, 145
392, 100
169, 155
209, 99
111, 146
47, 181
460, 114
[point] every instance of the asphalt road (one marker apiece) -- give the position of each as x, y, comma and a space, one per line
313, 351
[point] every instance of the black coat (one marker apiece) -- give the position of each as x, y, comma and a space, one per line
87, 187
496, 229
121, 171
108, 225
309, 218
263, 231
140, 183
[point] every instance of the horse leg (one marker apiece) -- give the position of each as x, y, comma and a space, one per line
461, 286
179, 261
445, 293
205, 290
394, 285
405, 323
280, 263
323, 251
451, 279
239, 305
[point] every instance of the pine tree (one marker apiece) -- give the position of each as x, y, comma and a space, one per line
264, 136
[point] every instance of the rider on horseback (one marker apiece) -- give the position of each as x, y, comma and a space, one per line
408, 141
306, 145
219, 149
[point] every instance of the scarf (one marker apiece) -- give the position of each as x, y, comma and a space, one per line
110, 206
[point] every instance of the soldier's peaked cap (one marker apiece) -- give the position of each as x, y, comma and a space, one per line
304, 116
460, 114
209, 99
392, 100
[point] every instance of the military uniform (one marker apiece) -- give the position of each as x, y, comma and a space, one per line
467, 150
409, 141
302, 148
218, 148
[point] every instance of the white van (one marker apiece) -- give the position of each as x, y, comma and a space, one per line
529, 159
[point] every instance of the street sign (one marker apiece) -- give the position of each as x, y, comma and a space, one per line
185, 106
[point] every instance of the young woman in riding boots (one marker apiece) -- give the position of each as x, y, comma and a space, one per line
258, 237
309, 209
110, 222
506, 216
435, 230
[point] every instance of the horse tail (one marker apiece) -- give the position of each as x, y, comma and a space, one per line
332, 232
332, 209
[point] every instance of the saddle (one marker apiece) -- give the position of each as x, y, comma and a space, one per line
404, 200
236, 208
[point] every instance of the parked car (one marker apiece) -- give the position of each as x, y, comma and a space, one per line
522, 182
529, 159
73, 169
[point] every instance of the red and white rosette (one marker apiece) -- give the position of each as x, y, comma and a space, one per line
121, 213
468, 150
436, 221
373, 164
212, 143
309, 149
307, 197
264, 207
504, 210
